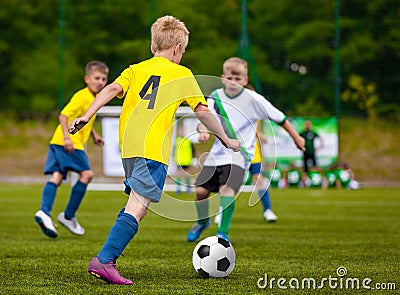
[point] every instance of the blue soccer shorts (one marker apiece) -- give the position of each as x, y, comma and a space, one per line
144, 176
255, 168
58, 160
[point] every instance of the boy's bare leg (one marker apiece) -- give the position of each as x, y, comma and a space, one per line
137, 205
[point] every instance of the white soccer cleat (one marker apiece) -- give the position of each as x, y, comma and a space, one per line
72, 225
46, 224
270, 216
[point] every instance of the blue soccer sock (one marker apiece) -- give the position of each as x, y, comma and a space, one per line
202, 207
77, 193
265, 199
48, 197
123, 231
188, 187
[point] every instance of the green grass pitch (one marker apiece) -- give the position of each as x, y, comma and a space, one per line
316, 233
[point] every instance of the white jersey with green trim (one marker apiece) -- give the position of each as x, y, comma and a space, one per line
243, 111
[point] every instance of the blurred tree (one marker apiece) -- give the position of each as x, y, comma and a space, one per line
293, 46
297, 65
371, 49
363, 94
26, 27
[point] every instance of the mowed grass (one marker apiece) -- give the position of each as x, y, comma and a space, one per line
316, 233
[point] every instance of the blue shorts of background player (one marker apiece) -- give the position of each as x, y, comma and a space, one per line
261, 183
255, 168
57, 165
58, 160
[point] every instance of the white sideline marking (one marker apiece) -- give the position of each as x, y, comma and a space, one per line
167, 187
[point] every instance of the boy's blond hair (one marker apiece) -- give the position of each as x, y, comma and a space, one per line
96, 65
168, 31
235, 66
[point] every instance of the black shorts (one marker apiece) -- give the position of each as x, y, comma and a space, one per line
211, 178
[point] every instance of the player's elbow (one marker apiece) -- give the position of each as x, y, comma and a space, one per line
114, 89
62, 117
202, 112
201, 108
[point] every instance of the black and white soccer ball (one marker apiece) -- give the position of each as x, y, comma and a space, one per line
214, 257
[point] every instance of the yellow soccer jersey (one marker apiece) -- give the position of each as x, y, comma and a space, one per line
257, 158
76, 108
257, 153
183, 153
154, 90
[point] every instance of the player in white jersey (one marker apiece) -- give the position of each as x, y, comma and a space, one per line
238, 110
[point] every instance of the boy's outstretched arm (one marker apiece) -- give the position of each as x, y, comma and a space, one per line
298, 140
97, 139
68, 145
204, 134
211, 123
105, 95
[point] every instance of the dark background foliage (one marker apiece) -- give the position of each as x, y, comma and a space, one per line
285, 35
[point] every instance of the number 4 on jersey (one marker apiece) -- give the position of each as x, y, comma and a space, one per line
153, 81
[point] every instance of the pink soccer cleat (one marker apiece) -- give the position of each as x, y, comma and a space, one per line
107, 272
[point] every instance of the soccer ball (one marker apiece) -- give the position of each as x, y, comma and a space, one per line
214, 257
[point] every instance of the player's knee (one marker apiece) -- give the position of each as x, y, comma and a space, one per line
201, 193
261, 185
56, 178
226, 190
86, 176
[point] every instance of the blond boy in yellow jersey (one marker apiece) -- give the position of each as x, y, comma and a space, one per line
66, 153
153, 91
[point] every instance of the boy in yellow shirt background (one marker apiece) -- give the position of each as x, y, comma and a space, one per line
67, 153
